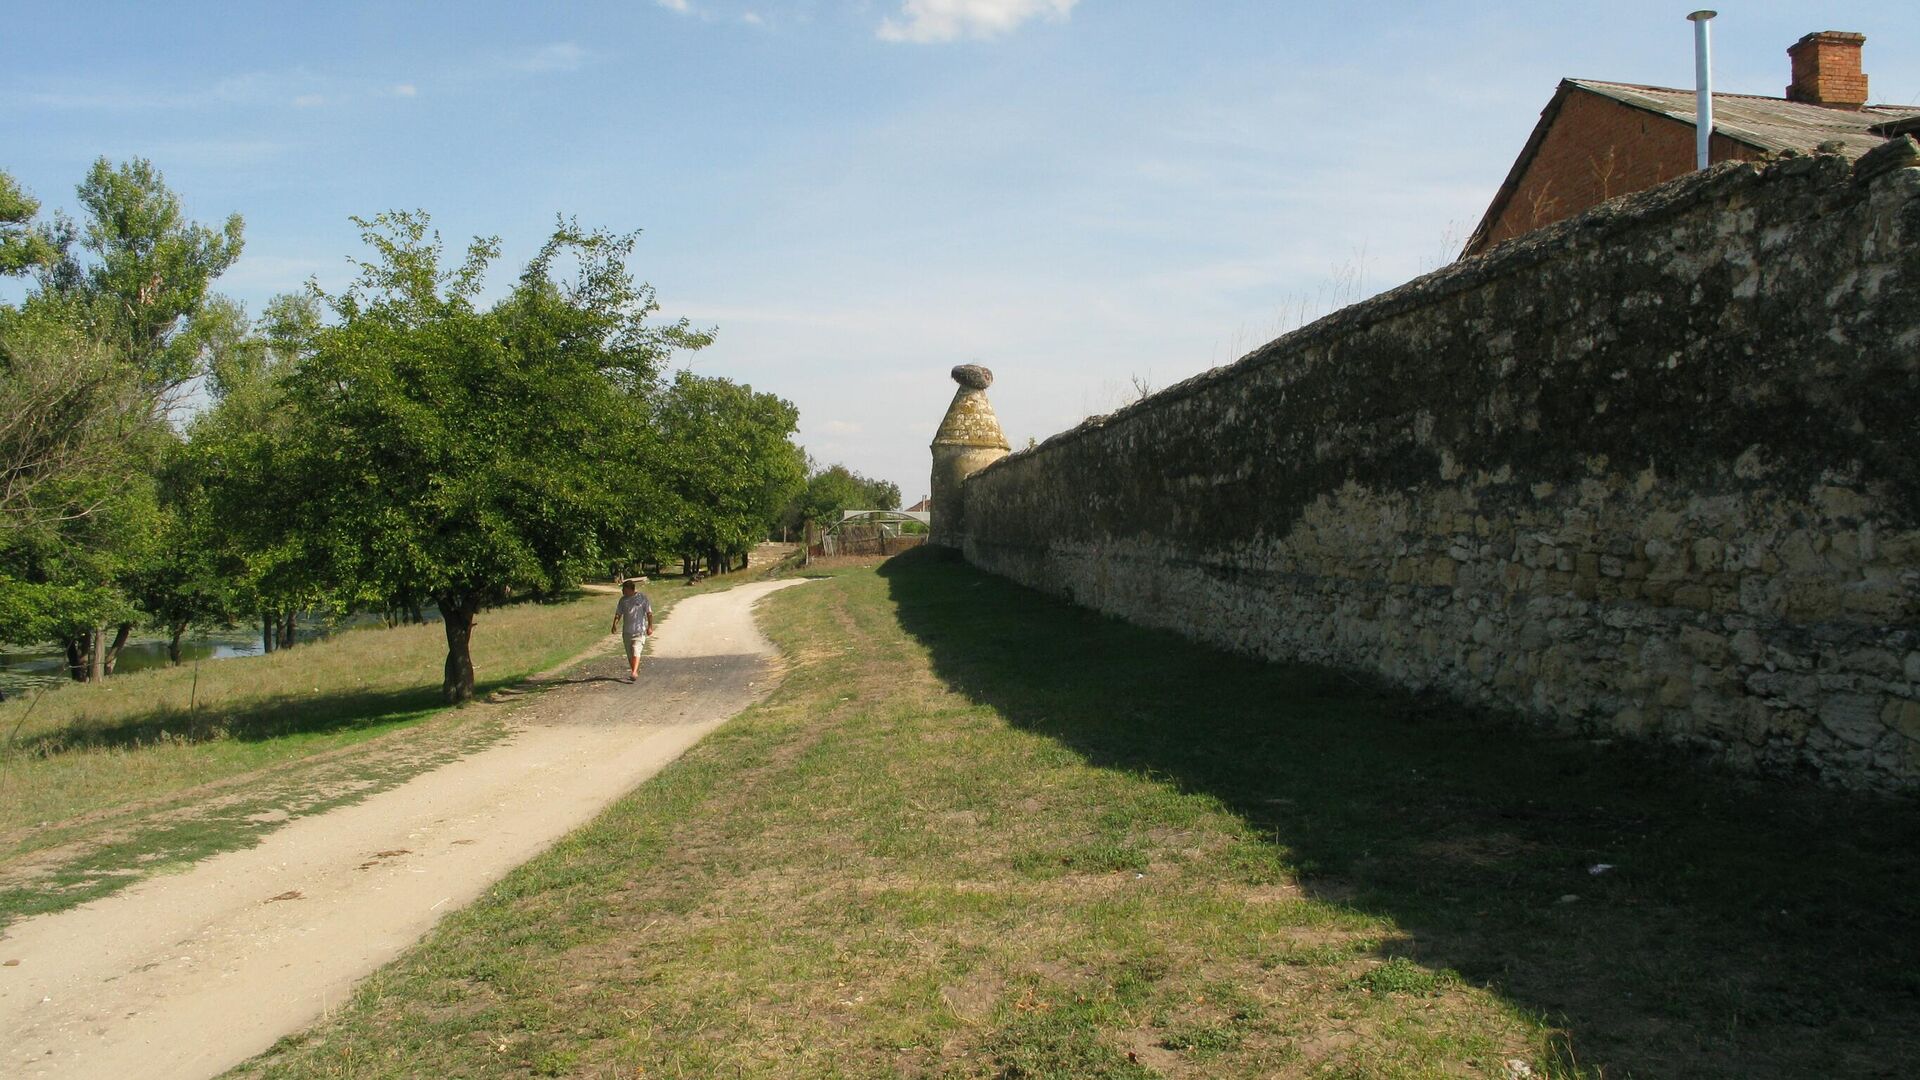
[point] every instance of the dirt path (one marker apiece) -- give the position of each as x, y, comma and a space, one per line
188, 975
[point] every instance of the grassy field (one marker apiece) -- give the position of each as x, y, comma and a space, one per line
977, 833
103, 784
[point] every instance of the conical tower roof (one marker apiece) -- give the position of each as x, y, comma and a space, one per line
970, 420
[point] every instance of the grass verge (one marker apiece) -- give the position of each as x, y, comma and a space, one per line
102, 785
977, 833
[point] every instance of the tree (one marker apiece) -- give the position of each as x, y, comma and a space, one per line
188, 579
65, 401
731, 462
68, 578
881, 494
22, 248
832, 490
228, 484
67, 409
119, 320
215, 561
151, 270
459, 453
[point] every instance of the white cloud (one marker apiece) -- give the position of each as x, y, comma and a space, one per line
405, 89
678, 7
926, 21
752, 18
560, 56
840, 427
309, 101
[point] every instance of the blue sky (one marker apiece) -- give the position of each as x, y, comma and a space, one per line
860, 194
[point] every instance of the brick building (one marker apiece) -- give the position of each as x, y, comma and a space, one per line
1599, 140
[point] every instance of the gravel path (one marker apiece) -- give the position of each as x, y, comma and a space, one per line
189, 975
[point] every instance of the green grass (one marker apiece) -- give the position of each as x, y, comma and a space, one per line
101, 785
977, 833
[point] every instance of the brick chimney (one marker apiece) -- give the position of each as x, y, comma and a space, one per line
1826, 70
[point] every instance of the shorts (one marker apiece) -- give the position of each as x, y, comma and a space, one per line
634, 643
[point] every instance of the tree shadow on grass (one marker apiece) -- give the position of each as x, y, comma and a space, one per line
277, 717
1743, 928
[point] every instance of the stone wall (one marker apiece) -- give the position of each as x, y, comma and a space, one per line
1653, 470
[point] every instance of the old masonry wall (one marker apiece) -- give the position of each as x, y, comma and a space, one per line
1652, 470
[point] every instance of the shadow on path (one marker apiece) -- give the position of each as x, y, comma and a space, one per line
1745, 928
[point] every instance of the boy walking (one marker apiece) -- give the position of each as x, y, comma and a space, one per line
633, 617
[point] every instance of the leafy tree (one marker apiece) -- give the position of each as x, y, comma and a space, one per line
150, 271
229, 474
67, 409
881, 495
731, 462
120, 319
22, 248
834, 489
216, 560
187, 580
68, 579
458, 452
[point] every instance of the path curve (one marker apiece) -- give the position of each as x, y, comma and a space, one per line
188, 975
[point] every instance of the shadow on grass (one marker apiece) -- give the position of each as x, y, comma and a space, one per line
259, 720
1743, 928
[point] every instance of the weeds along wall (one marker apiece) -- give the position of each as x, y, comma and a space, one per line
1654, 470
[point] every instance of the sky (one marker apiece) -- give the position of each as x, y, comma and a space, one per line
1084, 195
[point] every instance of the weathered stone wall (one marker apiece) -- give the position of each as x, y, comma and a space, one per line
1652, 470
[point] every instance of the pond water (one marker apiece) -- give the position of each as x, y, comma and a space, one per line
46, 665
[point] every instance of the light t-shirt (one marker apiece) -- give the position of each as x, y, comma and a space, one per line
632, 613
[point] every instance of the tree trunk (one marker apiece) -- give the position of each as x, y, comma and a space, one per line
173, 644
266, 631
456, 614
77, 649
97, 655
418, 618
119, 642
287, 632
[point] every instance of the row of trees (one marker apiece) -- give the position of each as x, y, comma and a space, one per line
396, 443
830, 490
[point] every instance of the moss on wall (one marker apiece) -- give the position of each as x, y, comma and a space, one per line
1649, 470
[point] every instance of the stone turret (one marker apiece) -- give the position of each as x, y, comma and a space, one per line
969, 439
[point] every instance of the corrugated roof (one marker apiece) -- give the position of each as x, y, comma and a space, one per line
1763, 122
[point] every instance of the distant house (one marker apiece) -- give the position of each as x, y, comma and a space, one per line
1600, 140
924, 506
